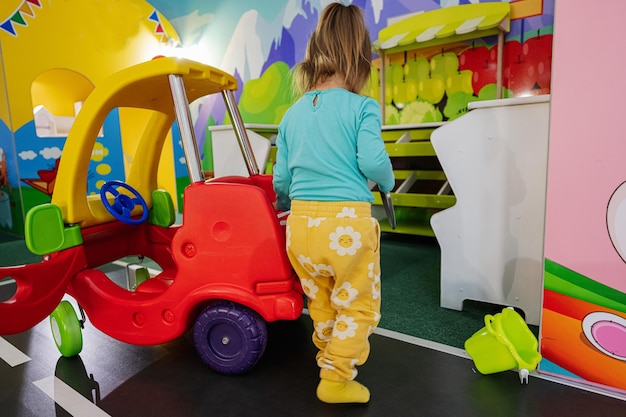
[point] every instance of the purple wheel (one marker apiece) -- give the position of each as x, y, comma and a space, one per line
229, 337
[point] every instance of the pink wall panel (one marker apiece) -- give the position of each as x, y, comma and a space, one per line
587, 157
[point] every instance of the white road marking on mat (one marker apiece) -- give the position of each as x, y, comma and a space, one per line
70, 400
422, 342
11, 355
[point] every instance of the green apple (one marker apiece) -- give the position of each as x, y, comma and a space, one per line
461, 81
417, 69
431, 89
394, 74
404, 93
444, 64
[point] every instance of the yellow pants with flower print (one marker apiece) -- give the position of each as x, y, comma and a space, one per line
334, 248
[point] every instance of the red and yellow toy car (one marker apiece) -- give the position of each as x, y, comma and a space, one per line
224, 270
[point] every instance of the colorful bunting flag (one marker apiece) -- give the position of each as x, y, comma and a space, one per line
158, 30
25, 8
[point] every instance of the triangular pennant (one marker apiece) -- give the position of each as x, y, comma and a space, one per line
154, 17
26, 9
35, 2
17, 18
8, 26
159, 29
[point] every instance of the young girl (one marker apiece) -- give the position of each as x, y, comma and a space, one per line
329, 145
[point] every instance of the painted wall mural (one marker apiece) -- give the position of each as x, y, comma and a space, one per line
257, 42
260, 43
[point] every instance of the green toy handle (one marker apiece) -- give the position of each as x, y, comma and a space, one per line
501, 338
489, 319
488, 325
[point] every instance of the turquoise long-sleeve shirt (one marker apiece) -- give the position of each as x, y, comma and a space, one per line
329, 145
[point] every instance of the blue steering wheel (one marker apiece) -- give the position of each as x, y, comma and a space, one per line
123, 204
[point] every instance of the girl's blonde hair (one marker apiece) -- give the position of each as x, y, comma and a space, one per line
340, 45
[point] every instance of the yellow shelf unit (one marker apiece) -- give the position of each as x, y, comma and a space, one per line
421, 186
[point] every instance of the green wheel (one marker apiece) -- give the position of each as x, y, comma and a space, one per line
66, 329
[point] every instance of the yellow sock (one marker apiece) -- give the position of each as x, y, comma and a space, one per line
342, 392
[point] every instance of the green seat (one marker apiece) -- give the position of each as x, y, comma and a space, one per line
45, 232
162, 212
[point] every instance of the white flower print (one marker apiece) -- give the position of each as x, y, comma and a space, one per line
324, 329
288, 236
309, 288
325, 363
344, 327
344, 295
347, 212
370, 270
315, 221
376, 318
376, 287
306, 263
353, 363
345, 241
324, 270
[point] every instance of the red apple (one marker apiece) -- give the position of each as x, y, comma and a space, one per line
538, 48
473, 58
484, 76
521, 77
544, 76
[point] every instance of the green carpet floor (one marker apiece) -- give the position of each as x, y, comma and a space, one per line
410, 289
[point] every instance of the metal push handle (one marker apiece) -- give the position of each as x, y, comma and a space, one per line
185, 125
240, 132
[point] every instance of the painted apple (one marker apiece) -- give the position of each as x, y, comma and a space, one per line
404, 92
538, 50
417, 68
474, 58
431, 89
444, 64
394, 75
461, 81
544, 75
486, 75
511, 53
521, 77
